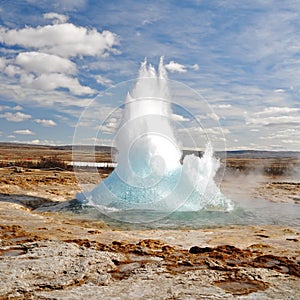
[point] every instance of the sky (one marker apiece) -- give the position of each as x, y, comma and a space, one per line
242, 59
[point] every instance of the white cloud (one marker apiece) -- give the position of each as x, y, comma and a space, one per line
66, 40
40, 63
2, 63
213, 116
3, 107
208, 116
48, 82
179, 118
289, 133
277, 120
12, 70
24, 132
46, 123
289, 141
217, 131
277, 111
195, 67
110, 126
35, 142
224, 106
98, 141
175, 67
49, 68
275, 116
57, 18
15, 117
103, 81
51, 72
17, 107
27, 95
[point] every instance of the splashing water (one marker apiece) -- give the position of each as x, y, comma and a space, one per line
149, 174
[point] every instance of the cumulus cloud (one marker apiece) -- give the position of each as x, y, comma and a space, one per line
179, 118
66, 40
103, 81
213, 116
24, 132
279, 91
198, 130
277, 111
173, 66
40, 63
15, 117
217, 131
46, 63
17, 107
208, 116
223, 106
57, 18
46, 123
277, 120
12, 70
275, 116
52, 81
290, 133
195, 67
35, 142
3, 107
2, 63
110, 126
26, 95
46, 72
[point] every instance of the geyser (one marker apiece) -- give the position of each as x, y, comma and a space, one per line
149, 174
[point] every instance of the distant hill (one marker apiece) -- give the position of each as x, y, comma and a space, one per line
259, 154
107, 149
249, 154
62, 147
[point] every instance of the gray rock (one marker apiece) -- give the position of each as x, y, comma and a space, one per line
53, 266
65, 271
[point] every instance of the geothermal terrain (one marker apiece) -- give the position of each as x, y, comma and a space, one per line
48, 252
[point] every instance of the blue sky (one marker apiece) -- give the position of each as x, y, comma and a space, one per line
243, 57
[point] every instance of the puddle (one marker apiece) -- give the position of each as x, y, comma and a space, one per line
272, 263
129, 267
182, 268
21, 239
137, 258
242, 286
126, 268
9, 233
14, 251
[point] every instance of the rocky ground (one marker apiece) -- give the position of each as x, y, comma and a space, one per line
278, 191
50, 255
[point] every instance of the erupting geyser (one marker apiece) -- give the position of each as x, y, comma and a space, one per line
149, 173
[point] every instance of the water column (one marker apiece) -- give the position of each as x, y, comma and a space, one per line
149, 175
